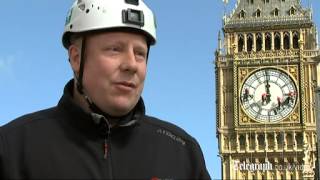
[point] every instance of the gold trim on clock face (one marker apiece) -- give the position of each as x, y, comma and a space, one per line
268, 95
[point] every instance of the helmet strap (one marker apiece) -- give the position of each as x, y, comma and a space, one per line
148, 52
82, 61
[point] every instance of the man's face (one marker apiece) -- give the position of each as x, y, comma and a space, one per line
115, 70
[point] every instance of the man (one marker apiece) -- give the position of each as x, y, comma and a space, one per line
99, 129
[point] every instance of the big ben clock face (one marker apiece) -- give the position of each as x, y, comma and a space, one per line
268, 95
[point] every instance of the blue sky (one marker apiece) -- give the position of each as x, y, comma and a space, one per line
180, 85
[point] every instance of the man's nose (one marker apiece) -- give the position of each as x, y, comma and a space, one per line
129, 62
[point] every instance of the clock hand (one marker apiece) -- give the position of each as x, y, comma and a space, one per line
267, 87
263, 98
279, 102
268, 94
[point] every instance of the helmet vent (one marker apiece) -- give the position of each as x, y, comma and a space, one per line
82, 6
87, 11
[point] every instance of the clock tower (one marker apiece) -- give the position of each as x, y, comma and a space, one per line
266, 75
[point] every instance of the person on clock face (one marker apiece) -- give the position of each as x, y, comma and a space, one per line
99, 129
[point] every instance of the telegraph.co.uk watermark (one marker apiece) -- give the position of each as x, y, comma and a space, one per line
266, 166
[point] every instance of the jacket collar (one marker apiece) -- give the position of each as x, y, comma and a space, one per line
79, 118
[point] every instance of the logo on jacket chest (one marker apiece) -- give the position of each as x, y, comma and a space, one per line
172, 136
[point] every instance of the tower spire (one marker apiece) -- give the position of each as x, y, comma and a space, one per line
219, 43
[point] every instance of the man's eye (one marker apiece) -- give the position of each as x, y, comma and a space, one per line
141, 54
113, 48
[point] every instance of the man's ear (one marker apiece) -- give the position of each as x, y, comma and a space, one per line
74, 57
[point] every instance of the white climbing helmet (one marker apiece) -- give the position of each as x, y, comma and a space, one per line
91, 15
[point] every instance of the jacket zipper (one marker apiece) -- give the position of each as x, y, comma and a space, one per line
107, 146
106, 139
106, 143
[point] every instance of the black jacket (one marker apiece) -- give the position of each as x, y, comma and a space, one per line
65, 142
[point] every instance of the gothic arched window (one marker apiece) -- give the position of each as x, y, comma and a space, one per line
261, 141
277, 41
249, 42
242, 141
276, 12
280, 140
296, 40
258, 13
270, 138
268, 41
289, 140
240, 43
292, 11
259, 42
252, 142
242, 14
286, 41
299, 140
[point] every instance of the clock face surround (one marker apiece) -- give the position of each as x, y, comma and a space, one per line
268, 95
